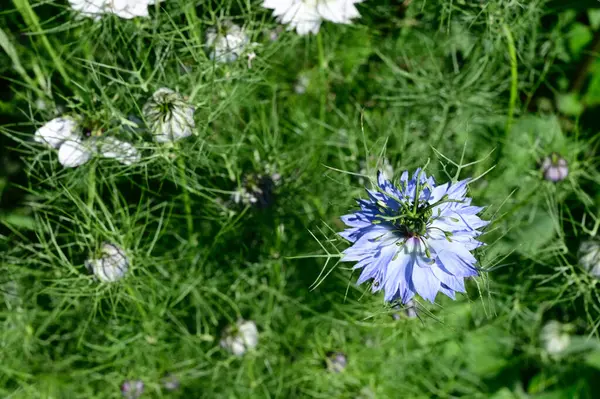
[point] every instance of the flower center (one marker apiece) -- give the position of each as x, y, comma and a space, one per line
414, 224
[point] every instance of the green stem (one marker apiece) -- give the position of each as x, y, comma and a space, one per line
187, 203
324, 85
137, 302
194, 25
33, 23
514, 78
91, 183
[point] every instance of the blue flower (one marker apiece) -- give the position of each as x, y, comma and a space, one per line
414, 239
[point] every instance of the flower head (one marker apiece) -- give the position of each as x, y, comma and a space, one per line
414, 239
301, 83
64, 134
257, 190
589, 256
170, 382
169, 116
336, 362
241, 337
555, 337
132, 389
555, 168
306, 15
126, 9
112, 264
227, 44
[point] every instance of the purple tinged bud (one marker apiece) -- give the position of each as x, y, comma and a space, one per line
555, 168
409, 310
132, 389
170, 382
336, 362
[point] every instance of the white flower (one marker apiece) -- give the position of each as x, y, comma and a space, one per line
306, 15
169, 117
111, 266
74, 152
63, 133
589, 256
126, 153
122, 8
301, 84
241, 337
56, 132
228, 44
554, 338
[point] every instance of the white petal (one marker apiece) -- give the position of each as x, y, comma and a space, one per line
249, 333
55, 132
306, 15
226, 47
122, 151
73, 153
240, 338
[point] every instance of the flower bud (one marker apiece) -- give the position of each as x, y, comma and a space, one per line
112, 264
336, 362
241, 337
555, 168
589, 257
554, 338
132, 389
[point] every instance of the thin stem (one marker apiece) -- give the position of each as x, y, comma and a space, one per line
33, 22
187, 203
324, 86
195, 27
514, 78
91, 183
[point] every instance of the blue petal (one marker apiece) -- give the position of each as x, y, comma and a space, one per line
438, 192
425, 282
357, 219
377, 264
452, 282
447, 291
394, 277
349, 234
458, 190
455, 265
442, 247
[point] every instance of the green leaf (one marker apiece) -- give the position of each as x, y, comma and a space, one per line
569, 104
579, 37
593, 359
18, 221
487, 350
592, 95
594, 17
